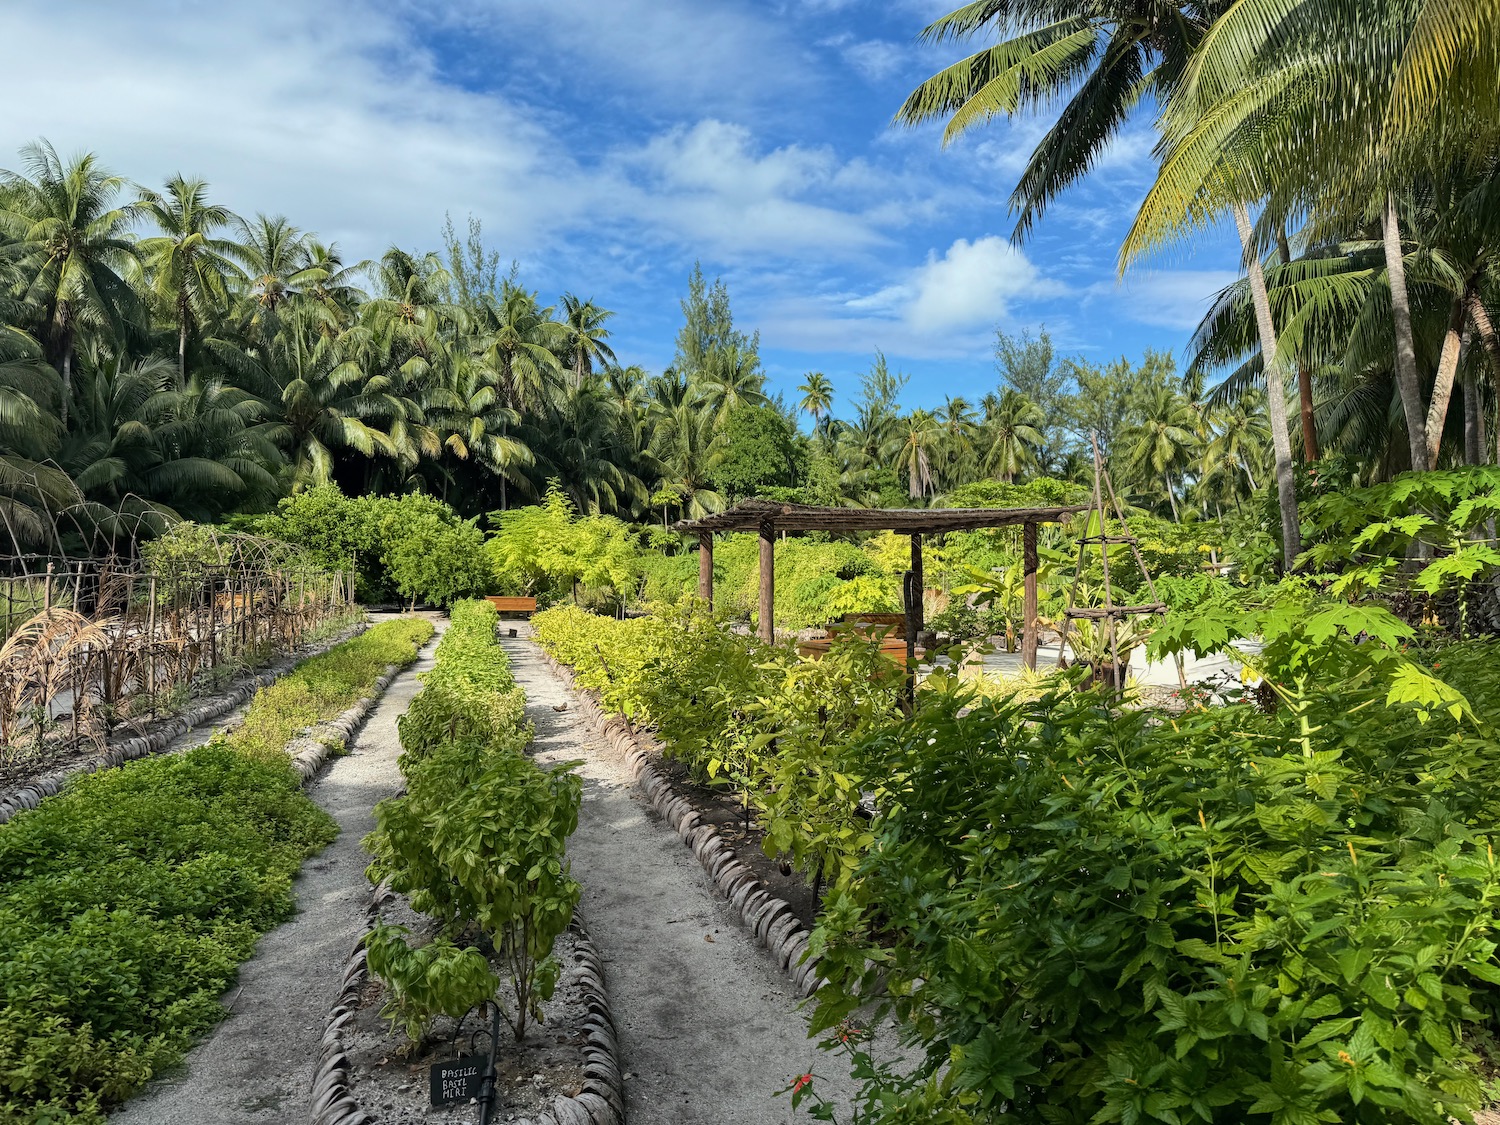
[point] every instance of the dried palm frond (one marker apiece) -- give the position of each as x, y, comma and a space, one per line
40, 662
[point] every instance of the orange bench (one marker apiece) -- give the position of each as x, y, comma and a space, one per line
506, 604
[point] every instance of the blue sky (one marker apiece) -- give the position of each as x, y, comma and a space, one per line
608, 144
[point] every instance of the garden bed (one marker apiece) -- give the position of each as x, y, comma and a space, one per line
128, 902
46, 767
390, 1082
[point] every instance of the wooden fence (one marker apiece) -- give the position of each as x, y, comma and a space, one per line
88, 642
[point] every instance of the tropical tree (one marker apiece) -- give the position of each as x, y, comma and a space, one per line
1163, 442
188, 270
920, 436
1011, 429
70, 248
585, 339
817, 397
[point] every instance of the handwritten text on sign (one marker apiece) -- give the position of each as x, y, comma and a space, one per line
457, 1081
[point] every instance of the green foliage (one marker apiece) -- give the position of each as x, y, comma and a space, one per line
128, 901
779, 728
549, 552
1085, 915
439, 978
320, 688
478, 840
762, 450
410, 546
1369, 537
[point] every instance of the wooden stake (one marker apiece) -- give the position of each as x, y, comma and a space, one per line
767, 582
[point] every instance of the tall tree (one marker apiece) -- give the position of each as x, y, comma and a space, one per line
187, 268
71, 247
585, 339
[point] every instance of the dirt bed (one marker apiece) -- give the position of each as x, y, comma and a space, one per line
391, 1084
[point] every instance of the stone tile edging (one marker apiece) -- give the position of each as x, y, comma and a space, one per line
600, 1102
767, 915
163, 733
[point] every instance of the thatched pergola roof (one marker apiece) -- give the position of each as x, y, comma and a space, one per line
750, 515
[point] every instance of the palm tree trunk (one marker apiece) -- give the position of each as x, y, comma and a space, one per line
67, 385
1474, 443
1442, 386
182, 326
1310, 449
1281, 439
1171, 497
1406, 351
1479, 316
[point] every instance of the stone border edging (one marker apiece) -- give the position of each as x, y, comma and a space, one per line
163, 733
600, 1102
767, 915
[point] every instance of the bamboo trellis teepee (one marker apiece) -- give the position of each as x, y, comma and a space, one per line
1110, 613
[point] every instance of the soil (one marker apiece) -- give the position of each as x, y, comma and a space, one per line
726, 813
709, 1027
392, 1084
256, 1066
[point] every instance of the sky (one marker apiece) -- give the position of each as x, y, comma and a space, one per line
607, 145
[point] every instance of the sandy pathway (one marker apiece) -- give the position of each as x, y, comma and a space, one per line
256, 1066
708, 1030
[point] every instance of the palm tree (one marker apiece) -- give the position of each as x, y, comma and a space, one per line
919, 441
71, 246
817, 397
960, 431
522, 344
1163, 441
277, 262
188, 269
730, 376
1100, 60
584, 337
1012, 427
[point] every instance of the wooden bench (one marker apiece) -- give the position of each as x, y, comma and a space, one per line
506, 604
893, 647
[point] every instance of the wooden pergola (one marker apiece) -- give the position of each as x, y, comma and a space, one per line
768, 517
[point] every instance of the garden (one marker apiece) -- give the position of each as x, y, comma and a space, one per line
770, 809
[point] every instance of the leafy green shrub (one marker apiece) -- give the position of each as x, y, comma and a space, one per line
412, 546
548, 551
478, 841
128, 901
779, 727
439, 978
1079, 914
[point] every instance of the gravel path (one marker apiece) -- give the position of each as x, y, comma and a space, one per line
256, 1067
709, 1027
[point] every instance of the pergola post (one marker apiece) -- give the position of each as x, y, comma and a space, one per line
706, 569
918, 585
767, 629
1028, 603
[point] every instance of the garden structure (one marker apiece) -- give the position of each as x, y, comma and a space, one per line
769, 517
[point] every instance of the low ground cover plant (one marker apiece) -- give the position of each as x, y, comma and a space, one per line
128, 902
477, 842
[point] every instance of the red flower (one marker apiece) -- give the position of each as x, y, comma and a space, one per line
802, 1080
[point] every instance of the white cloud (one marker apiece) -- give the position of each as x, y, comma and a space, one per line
971, 285
325, 113
876, 59
948, 307
708, 185
724, 56
333, 117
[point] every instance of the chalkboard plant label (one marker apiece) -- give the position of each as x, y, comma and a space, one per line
457, 1080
